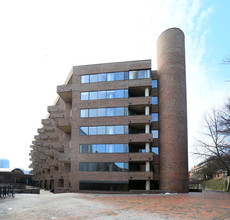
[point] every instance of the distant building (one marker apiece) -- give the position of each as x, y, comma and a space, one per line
4, 163
118, 126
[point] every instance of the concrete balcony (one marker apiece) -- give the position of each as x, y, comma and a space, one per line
64, 124
140, 137
42, 157
49, 128
141, 156
49, 153
140, 100
57, 115
47, 121
41, 130
54, 108
143, 119
52, 137
65, 92
52, 163
37, 137
64, 158
141, 175
43, 137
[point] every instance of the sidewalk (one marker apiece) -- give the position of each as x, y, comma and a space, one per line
206, 205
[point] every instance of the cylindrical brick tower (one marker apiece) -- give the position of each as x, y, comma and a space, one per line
172, 111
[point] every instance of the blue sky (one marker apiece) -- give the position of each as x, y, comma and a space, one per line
40, 41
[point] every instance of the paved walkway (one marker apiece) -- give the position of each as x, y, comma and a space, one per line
206, 205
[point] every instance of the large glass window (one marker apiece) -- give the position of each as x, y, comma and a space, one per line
104, 130
119, 76
110, 130
101, 94
111, 76
104, 112
104, 185
85, 79
84, 113
85, 96
155, 150
104, 166
155, 134
154, 83
92, 130
110, 112
101, 112
102, 77
119, 94
110, 94
93, 78
119, 111
104, 148
154, 116
84, 131
101, 130
93, 95
92, 112
155, 100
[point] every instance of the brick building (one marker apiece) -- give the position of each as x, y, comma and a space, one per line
118, 126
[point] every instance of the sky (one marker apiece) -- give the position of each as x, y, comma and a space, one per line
41, 40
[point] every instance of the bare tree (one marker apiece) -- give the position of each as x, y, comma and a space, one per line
214, 147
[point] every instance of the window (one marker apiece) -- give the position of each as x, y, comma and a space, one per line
104, 112
154, 83
119, 93
84, 113
119, 75
110, 112
93, 78
104, 148
119, 148
84, 148
155, 100
92, 95
101, 130
155, 150
101, 148
102, 77
110, 130
107, 130
132, 74
84, 131
154, 116
110, 76
119, 129
110, 148
85, 96
120, 111
101, 112
92, 130
155, 133
110, 94
101, 94
85, 79
93, 112
103, 166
